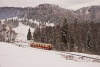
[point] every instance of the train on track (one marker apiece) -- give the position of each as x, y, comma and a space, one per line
41, 45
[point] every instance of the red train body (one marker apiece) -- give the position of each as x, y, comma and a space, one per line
41, 45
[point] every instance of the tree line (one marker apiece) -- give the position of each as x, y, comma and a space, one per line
6, 33
77, 36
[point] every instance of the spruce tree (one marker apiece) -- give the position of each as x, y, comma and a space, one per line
65, 33
71, 41
88, 41
29, 36
0, 22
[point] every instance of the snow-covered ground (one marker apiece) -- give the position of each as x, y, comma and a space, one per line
15, 56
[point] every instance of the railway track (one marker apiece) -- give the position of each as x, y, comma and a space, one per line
21, 45
83, 56
77, 57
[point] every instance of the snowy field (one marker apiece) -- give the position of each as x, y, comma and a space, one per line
15, 56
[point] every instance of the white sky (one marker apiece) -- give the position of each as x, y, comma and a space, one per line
68, 4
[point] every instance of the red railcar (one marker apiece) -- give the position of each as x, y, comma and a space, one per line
41, 45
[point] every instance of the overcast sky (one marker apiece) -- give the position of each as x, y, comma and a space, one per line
68, 4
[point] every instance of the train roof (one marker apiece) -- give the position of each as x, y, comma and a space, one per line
41, 43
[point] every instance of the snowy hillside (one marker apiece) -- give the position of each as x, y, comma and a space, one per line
22, 31
14, 56
22, 28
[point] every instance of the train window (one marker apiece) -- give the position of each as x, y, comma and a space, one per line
49, 45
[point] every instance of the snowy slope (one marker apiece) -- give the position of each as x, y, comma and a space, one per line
22, 31
14, 56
